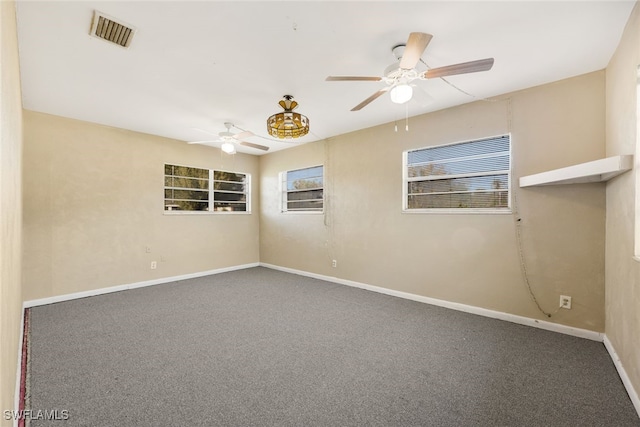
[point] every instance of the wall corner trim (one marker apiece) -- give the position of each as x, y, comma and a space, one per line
521, 320
626, 381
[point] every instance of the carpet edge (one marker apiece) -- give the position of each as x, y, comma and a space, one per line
626, 381
500, 315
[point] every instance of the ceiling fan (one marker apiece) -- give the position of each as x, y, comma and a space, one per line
399, 77
228, 139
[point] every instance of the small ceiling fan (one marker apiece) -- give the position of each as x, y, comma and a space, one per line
228, 139
399, 77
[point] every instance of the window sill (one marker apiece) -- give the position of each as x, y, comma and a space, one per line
172, 213
506, 211
302, 212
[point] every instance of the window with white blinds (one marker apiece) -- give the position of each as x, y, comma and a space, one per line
302, 190
205, 190
468, 176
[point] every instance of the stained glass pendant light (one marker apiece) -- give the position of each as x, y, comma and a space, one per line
287, 124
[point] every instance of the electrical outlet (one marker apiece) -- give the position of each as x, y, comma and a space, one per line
565, 302
334, 263
154, 265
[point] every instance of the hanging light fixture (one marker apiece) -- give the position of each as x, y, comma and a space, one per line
401, 93
287, 124
228, 148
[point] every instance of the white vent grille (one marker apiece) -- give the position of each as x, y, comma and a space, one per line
107, 28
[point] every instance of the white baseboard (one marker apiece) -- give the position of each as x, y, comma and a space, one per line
633, 394
521, 320
118, 288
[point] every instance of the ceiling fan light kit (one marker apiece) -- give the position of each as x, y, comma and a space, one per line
228, 148
399, 76
230, 139
287, 124
401, 93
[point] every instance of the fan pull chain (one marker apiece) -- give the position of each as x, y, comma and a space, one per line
406, 126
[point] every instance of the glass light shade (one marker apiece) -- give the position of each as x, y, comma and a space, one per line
287, 124
228, 148
401, 93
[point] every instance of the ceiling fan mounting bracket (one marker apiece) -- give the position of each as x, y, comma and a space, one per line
398, 50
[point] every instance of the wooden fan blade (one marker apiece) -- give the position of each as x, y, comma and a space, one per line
462, 68
244, 134
352, 79
252, 145
416, 45
370, 99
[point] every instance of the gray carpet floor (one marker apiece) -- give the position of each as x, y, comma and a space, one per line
259, 347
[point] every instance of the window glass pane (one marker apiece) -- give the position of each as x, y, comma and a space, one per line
228, 176
225, 197
305, 178
231, 191
182, 205
186, 194
186, 188
230, 207
228, 186
302, 189
178, 182
186, 171
477, 183
310, 205
303, 183
498, 199
305, 195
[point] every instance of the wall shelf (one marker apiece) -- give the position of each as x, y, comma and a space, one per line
595, 171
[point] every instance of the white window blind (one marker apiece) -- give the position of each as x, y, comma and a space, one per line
471, 175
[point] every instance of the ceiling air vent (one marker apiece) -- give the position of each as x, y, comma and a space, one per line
107, 28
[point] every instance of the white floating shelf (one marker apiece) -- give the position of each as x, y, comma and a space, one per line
595, 171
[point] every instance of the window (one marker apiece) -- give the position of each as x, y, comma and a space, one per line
186, 188
205, 190
302, 190
471, 176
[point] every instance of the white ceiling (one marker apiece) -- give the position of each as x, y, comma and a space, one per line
200, 64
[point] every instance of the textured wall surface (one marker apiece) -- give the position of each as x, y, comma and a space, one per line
466, 258
10, 206
623, 211
93, 203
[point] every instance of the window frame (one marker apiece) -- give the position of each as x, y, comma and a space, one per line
211, 193
492, 211
282, 179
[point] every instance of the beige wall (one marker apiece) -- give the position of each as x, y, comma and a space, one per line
464, 258
10, 206
622, 271
93, 202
